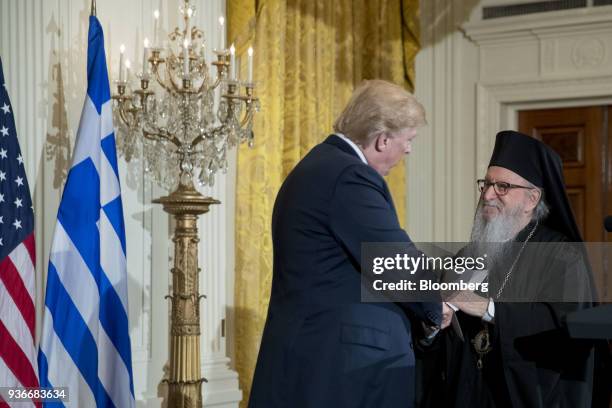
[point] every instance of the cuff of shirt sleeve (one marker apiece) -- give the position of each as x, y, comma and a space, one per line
489, 315
455, 308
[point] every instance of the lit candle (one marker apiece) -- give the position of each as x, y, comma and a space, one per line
232, 62
156, 28
145, 58
121, 50
189, 12
250, 52
185, 58
237, 70
221, 33
128, 64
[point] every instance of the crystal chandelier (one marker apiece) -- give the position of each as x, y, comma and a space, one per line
172, 120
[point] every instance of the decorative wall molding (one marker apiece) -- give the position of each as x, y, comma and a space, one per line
538, 61
497, 105
570, 43
511, 29
588, 53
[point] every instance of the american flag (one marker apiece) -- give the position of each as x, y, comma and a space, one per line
18, 366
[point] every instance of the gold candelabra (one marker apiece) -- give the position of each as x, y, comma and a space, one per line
179, 130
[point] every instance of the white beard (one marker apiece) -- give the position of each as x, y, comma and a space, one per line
501, 228
494, 236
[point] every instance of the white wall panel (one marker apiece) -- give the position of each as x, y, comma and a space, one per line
440, 170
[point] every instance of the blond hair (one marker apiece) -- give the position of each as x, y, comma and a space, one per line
378, 106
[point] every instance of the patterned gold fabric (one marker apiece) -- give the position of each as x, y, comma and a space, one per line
309, 56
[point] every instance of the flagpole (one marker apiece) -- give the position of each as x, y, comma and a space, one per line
93, 8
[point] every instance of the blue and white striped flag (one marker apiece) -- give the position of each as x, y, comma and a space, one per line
85, 343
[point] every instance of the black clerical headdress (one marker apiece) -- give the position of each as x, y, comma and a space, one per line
540, 165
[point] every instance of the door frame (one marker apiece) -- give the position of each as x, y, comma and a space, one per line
498, 105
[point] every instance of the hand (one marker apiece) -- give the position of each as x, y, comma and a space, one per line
470, 303
447, 315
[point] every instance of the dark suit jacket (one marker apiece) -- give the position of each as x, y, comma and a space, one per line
321, 346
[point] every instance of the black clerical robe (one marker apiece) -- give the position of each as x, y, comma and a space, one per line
532, 363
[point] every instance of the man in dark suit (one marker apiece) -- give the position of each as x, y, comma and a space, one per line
321, 346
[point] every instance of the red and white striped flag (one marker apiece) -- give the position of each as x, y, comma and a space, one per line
18, 366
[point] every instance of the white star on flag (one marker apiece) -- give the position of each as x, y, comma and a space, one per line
20, 159
18, 281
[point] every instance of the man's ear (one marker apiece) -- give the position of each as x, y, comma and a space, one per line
381, 142
534, 198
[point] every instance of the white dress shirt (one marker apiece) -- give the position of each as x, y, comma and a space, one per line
354, 146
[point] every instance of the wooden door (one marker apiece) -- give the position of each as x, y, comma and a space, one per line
577, 134
582, 137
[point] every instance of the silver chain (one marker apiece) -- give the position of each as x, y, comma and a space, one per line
501, 289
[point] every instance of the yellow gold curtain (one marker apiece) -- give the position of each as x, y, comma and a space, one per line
309, 56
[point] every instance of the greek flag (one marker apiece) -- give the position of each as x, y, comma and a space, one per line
85, 343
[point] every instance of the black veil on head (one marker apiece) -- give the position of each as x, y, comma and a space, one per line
541, 166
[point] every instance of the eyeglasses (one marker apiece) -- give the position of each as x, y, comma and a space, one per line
501, 187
